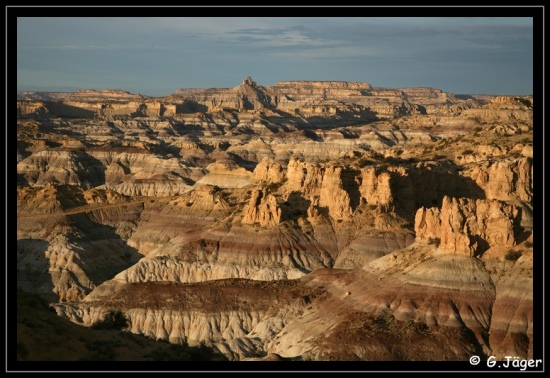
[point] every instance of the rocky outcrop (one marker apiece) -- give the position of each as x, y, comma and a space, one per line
333, 196
303, 177
138, 173
223, 176
505, 179
62, 167
34, 108
467, 227
247, 96
262, 209
269, 171
375, 187
63, 258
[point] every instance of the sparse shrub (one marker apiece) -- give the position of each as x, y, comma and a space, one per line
362, 163
434, 241
272, 187
297, 212
115, 320
513, 255
423, 329
382, 168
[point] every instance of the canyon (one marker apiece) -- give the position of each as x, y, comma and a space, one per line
308, 220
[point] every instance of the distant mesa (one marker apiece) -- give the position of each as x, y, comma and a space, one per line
322, 102
83, 95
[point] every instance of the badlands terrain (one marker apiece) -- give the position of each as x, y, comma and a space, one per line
310, 221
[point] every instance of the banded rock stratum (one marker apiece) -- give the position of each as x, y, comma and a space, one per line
304, 220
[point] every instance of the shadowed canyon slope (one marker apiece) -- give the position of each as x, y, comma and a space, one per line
303, 221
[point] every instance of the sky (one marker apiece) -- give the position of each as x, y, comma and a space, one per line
156, 56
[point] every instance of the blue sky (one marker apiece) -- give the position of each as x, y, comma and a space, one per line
156, 56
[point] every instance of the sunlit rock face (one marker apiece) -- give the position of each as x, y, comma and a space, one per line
308, 220
468, 227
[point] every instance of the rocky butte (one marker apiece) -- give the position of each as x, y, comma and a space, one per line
308, 220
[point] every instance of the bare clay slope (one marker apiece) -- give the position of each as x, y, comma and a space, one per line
308, 220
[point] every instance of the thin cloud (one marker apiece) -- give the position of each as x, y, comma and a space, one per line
270, 31
288, 39
291, 36
93, 47
267, 32
326, 52
69, 47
